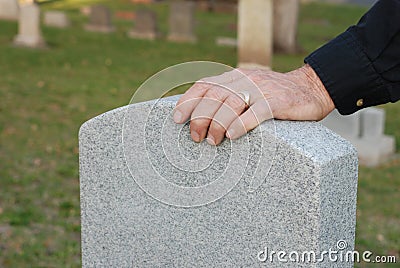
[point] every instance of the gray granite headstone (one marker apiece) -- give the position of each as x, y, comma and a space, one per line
145, 25
151, 197
100, 20
9, 9
56, 19
181, 22
29, 32
365, 130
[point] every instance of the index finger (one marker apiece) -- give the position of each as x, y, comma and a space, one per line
188, 102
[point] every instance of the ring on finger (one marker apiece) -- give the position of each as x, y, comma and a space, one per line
245, 96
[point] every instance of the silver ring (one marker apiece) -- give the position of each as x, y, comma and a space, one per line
245, 96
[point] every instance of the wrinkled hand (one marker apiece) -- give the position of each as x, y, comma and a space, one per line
217, 109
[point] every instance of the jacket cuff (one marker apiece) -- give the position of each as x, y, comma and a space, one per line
348, 74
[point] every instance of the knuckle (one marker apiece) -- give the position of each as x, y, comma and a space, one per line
215, 93
217, 132
235, 102
199, 86
199, 124
216, 127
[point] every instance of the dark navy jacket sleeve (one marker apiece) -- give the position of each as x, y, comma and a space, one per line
361, 67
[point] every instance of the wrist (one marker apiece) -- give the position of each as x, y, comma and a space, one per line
318, 88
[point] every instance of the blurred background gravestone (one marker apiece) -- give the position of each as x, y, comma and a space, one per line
255, 33
181, 22
85, 10
365, 130
306, 201
100, 20
224, 6
56, 19
9, 9
286, 18
29, 32
218, 6
145, 25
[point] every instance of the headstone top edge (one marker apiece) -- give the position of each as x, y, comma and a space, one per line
314, 140
310, 138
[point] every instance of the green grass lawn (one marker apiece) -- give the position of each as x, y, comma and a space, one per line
47, 94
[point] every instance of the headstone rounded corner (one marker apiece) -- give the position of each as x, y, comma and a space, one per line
103, 117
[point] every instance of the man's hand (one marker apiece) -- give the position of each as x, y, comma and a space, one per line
217, 109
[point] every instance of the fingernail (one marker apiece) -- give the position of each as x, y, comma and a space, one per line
195, 136
177, 117
230, 133
211, 140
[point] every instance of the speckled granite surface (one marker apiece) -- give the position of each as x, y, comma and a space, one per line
150, 197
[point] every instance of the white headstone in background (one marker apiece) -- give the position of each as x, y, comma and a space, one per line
29, 33
134, 158
9, 9
286, 18
56, 19
346, 126
255, 32
365, 130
